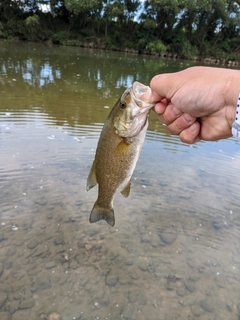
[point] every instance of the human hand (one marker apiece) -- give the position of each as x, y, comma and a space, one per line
198, 103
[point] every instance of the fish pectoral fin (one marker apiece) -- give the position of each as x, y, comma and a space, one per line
99, 213
92, 179
126, 191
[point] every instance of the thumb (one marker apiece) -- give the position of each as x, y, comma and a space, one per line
164, 85
151, 96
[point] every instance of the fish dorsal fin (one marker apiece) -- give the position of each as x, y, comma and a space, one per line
92, 179
126, 190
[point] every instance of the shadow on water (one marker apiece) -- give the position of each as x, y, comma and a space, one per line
174, 251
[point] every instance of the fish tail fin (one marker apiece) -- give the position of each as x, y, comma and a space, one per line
99, 213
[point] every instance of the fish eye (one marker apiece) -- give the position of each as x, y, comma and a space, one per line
123, 105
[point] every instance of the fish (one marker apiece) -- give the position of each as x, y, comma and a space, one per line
118, 150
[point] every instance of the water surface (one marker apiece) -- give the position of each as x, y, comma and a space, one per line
174, 252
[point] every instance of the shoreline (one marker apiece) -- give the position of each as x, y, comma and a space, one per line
165, 55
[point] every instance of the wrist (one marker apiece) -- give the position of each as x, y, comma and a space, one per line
233, 97
236, 123
231, 113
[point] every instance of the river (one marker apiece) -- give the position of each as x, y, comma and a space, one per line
174, 252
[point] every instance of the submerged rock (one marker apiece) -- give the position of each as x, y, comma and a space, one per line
13, 306
111, 278
1, 269
207, 305
33, 244
168, 236
5, 316
59, 239
196, 310
50, 264
54, 316
190, 285
3, 298
181, 291
43, 284
26, 304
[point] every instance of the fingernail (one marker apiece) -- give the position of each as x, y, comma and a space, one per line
193, 127
187, 117
176, 112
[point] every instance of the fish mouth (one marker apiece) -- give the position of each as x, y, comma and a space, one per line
135, 116
138, 90
143, 107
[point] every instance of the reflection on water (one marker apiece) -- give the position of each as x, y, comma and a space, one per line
174, 252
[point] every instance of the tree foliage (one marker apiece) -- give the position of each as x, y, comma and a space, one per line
184, 27
77, 7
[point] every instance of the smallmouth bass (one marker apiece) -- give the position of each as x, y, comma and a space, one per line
118, 150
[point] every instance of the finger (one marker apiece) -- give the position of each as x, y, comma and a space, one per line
161, 106
181, 123
165, 85
151, 96
191, 134
170, 114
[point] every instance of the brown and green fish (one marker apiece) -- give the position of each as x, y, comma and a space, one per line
118, 150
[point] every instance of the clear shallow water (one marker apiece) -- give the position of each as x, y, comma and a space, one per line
174, 251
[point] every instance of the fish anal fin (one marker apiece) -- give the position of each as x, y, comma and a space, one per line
99, 213
126, 190
92, 179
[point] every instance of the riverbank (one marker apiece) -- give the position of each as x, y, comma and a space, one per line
166, 55
99, 45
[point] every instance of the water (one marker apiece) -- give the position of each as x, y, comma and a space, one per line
174, 252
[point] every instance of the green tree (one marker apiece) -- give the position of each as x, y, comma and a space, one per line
185, 27
80, 6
